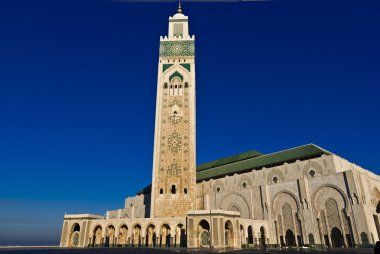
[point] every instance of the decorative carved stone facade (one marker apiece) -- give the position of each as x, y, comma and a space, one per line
173, 192
300, 196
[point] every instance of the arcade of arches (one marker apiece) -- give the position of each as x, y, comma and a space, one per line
135, 236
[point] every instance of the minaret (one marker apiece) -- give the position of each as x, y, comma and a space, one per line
173, 183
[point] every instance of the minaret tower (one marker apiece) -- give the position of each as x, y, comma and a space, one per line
174, 176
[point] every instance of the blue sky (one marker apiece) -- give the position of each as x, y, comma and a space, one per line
77, 95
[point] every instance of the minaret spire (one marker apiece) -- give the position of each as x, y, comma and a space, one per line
179, 7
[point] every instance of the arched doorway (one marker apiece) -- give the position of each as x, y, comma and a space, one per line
364, 238
150, 236
289, 238
336, 238
165, 235
123, 236
311, 239
110, 236
262, 237
136, 236
228, 235
250, 235
204, 234
180, 236
74, 235
97, 237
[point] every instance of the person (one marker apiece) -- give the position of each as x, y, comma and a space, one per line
377, 248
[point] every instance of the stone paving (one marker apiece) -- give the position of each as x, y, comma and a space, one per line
162, 251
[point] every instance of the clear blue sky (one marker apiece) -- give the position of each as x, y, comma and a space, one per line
78, 83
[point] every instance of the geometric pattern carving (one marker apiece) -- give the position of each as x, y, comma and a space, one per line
332, 213
174, 142
288, 217
174, 169
177, 48
178, 29
324, 193
279, 222
322, 218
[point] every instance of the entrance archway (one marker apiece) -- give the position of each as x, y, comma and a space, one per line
97, 237
228, 234
74, 235
136, 236
204, 234
290, 239
150, 236
336, 238
180, 236
262, 237
250, 235
165, 235
110, 236
122, 239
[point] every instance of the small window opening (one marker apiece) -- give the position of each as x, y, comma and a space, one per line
312, 173
186, 85
175, 113
165, 85
180, 86
77, 228
171, 86
185, 191
176, 86
275, 179
218, 189
244, 185
161, 191
173, 190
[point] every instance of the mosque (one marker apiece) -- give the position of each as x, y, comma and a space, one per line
297, 197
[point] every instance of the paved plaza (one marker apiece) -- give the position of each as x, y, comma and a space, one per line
163, 250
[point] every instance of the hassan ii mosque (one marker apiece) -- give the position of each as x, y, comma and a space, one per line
301, 196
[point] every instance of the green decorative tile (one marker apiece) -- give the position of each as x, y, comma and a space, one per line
186, 66
176, 74
166, 66
177, 48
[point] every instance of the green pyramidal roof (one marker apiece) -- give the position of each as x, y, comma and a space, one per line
252, 160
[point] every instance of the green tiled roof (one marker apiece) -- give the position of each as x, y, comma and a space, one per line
228, 160
268, 160
252, 160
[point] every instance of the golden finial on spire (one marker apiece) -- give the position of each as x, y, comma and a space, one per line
179, 7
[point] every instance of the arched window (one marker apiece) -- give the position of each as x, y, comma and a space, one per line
161, 191
185, 191
173, 190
